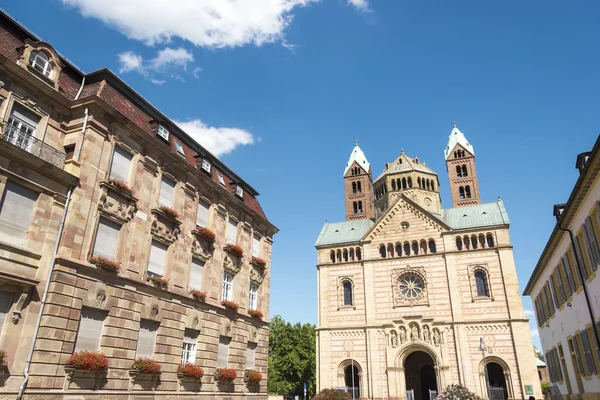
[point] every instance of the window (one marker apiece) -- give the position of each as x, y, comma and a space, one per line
253, 297
432, 248
347, 293
223, 352
459, 243
461, 192
239, 191
23, 120
188, 350
158, 258
5, 302
206, 166
481, 283
406, 249
553, 291
591, 243
227, 287
382, 251
489, 240
360, 207
255, 246
560, 288
179, 148
220, 178
358, 188
587, 352
121, 162
574, 349
568, 274
468, 192
250, 355
196, 274
16, 212
165, 197
415, 248
40, 61
90, 329
231, 231
353, 187
355, 205
464, 170
458, 172
202, 216
163, 132
146, 339
107, 237
580, 262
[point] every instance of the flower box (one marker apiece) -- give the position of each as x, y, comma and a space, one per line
190, 370
232, 305
225, 375
105, 263
145, 365
158, 281
198, 294
88, 360
255, 314
169, 212
259, 262
234, 249
121, 185
252, 376
206, 234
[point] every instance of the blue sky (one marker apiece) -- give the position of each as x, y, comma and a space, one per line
282, 88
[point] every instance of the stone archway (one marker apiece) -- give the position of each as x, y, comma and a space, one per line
350, 376
495, 379
420, 375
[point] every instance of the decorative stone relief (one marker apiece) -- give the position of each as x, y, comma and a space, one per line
437, 339
165, 227
394, 339
117, 203
154, 310
202, 248
16, 317
100, 297
414, 333
257, 275
231, 265
227, 328
402, 335
253, 334
426, 337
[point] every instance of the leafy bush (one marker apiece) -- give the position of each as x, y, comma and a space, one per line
105, 263
252, 376
146, 365
225, 374
206, 234
546, 389
88, 360
234, 249
332, 394
232, 305
191, 370
457, 392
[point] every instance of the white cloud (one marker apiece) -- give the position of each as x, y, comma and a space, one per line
360, 4
535, 333
130, 62
205, 23
529, 313
218, 141
157, 81
196, 72
169, 57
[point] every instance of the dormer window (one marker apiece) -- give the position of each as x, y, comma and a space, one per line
220, 178
206, 166
239, 191
179, 147
40, 61
163, 133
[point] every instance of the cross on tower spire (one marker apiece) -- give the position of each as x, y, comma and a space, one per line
454, 123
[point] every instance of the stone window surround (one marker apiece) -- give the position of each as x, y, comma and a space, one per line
135, 156
54, 60
340, 290
472, 269
30, 105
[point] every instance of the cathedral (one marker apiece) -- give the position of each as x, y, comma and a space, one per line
413, 297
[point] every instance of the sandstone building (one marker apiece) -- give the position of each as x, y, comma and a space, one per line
419, 296
88, 169
564, 288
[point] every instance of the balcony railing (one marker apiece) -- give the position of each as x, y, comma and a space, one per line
32, 145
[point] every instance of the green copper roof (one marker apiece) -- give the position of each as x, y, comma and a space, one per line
343, 232
539, 362
489, 214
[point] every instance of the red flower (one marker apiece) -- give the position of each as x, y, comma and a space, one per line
232, 305
198, 294
206, 234
256, 314
259, 262
253, 377
105, 263
121, 185
158, 281
146, 365
234, 249
225, 374
191, 370
169, 211
89, 360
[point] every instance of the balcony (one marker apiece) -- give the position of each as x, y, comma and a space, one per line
32, 145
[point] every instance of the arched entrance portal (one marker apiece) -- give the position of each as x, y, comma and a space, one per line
420, 375
352, 381
496, 381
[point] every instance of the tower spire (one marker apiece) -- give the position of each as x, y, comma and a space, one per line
358, 183
460, 164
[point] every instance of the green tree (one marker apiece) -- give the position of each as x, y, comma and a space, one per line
292, 358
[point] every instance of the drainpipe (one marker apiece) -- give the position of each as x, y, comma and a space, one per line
46, 288
85, 120
583, 284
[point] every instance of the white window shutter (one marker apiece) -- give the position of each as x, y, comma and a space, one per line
16, 211
165, 198
121, 163
196, 274
5, 301
107, 237
90, 330
202, 217
146, 339
158, 258
223, 354
231, 231
26, 116
255, 246
250, 355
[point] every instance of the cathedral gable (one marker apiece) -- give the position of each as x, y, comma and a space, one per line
457, 148
405, 219
351, 170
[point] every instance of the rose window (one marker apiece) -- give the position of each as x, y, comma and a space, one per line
411, 285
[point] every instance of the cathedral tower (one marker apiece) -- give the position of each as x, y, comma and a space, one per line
358, 183
460, 164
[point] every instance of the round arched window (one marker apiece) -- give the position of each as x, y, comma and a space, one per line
411, 285
40, 61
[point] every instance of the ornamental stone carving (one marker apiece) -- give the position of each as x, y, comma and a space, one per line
165, 227
202, 248
117, 203
257, 275
231, 265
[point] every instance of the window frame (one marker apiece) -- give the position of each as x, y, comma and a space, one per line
253, 297
47, 69
227, 287
179, 148
473, 270
163, 133
206, 165
190, 340
343, 281
220, 178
